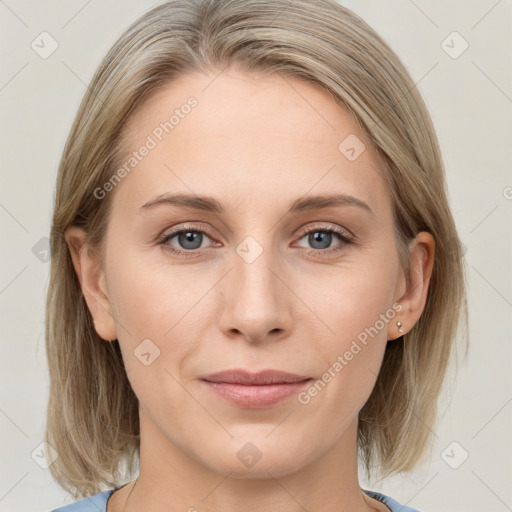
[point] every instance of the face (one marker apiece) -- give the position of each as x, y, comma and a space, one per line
258, 276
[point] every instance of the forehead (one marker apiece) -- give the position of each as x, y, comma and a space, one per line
252, 139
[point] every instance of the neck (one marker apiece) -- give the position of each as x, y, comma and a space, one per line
171, 478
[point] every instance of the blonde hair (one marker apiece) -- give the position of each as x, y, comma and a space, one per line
92, 418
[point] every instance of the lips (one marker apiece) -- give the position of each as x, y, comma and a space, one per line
255, 390
261, 378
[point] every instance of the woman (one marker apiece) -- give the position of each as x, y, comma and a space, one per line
256, 278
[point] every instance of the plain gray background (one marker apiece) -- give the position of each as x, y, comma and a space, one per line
470, 99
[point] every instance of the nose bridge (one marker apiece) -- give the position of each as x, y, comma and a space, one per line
255, 302
252, 270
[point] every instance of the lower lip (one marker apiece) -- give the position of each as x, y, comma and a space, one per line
256, 397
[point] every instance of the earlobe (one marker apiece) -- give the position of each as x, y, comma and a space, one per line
413, 300
92, 281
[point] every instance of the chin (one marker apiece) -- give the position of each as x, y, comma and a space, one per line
258, 460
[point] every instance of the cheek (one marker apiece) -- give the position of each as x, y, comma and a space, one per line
355, 302
161, 333
150, 294
158, 316
351, 300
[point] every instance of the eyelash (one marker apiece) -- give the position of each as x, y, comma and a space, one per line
342, 236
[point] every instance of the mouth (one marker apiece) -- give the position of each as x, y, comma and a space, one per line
255, 390
263, 377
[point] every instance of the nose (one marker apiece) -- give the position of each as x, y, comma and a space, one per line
256, 302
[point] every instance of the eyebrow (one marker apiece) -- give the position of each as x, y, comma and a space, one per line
209, 204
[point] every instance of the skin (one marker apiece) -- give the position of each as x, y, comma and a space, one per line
255, 144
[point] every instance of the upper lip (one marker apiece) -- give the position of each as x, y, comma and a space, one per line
239, 376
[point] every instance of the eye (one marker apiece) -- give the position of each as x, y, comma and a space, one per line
187, 240
321, 239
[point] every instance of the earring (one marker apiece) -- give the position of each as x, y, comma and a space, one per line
399, 324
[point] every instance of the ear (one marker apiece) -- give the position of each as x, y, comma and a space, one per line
92, 281
414, 297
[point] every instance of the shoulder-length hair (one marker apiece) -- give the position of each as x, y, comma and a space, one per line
92, 418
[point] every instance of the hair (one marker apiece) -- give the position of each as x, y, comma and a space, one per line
92, 417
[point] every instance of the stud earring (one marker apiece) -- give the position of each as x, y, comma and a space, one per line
399, 324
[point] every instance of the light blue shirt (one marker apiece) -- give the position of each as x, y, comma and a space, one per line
98, 503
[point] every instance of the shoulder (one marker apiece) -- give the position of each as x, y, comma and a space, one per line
389, 502
96, 503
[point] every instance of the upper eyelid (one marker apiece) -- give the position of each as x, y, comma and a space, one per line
327, 227
174, 232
